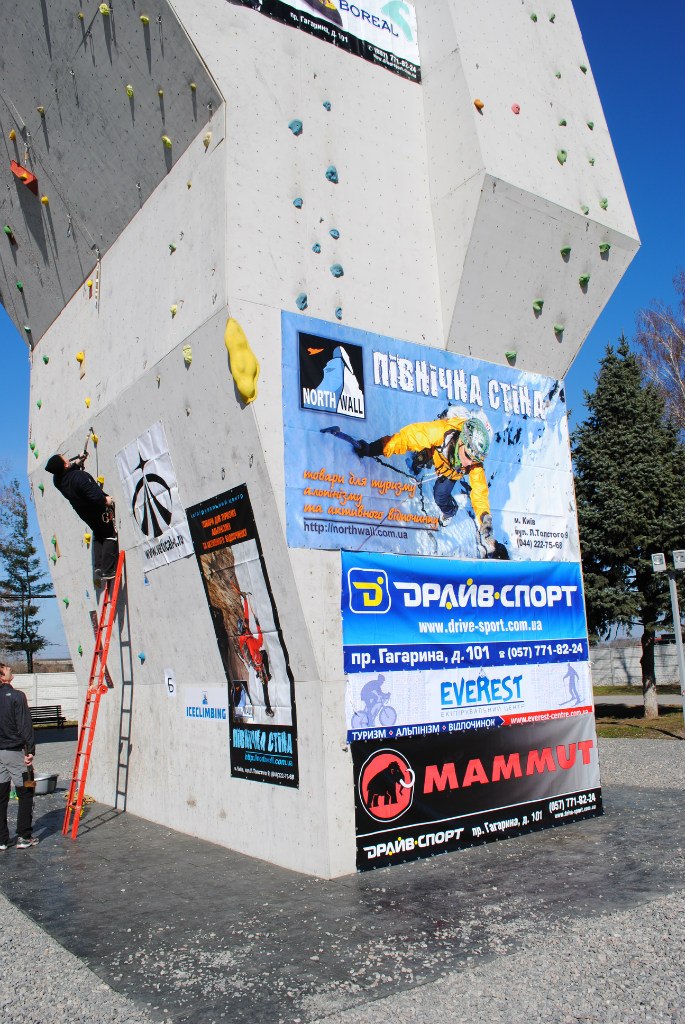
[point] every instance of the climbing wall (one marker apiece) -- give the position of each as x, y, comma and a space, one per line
278, 171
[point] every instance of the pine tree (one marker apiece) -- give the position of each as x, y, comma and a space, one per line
24, 579
630, 488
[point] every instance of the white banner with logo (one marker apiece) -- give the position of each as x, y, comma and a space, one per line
206, 703
151, 491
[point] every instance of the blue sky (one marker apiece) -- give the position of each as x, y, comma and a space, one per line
636, 52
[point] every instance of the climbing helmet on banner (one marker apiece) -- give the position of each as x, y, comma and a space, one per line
476, 440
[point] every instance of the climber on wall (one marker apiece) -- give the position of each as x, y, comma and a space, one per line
93, 505
252, 652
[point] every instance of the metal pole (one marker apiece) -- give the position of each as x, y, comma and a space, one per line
678, 636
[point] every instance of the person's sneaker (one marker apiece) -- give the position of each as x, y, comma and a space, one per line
4, 846
26, 844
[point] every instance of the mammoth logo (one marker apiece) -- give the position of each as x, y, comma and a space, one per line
386, 785
152, 502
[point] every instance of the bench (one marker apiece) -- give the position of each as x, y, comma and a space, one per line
50, 714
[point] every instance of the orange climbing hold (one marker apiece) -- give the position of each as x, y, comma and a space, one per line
478, 104
25, 176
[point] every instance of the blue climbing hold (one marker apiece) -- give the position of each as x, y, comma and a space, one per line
298, 203
301, 301
327, 104
334, 233
332, 174
338, 313
142, 657
337, 270
295, 126
316, 248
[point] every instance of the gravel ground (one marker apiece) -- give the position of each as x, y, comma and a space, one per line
616, 967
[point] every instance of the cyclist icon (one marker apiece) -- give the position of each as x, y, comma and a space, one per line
377, 710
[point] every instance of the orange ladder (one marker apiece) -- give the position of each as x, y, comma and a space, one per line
96, 687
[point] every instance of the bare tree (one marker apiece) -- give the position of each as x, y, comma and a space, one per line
660, 342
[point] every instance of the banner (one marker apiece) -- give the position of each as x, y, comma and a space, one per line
149, 481
380, 31
377, 440
263, 727
419, 797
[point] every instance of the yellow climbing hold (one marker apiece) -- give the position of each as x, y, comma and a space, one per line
87, 537
187, 355
244, 364
100, 480
80, 356
41, 111
44, 200
129, 90
145, 20
94, 438
87, 401
104, 10
13, 135
193, 86
89, 282
167, 141
173, 310
81, 15
160, 93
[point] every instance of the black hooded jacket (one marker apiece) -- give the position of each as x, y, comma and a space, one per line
16, 727
83, 494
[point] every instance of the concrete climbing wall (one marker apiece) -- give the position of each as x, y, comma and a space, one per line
448, 221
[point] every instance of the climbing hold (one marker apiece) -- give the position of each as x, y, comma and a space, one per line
533, 17
193, 87
160, 93
337, 270
557, 74
41, 488
604, 203
478, 104
510, 357
39, 403
80, 650
537, 305
80, 356
173, 310
145, 20
100, 480
590, 124
334, 233
327, 104
516, 107
10, 234
46, 359
27, 328
295, 126
142, 657
94, 438
12, 135
562, 156
129, 90
316, 248
20, 286
585, 209
32, 445
562, 122
167, 141
301, 300
25, 176
338, 313
558, 328
243, 362
187, 355
104, 10
583, 280
565, 251
591, 161
89, 283
297, 203
53, 559
583, 68
53, 541
87, 537
44, 200
206, 139
65, 602
332, 174
36, 454
604, 248
87, 401
552, 17
41, 111
81, 15
172, 248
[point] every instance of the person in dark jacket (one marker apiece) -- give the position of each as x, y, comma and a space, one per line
17, 747
94, 507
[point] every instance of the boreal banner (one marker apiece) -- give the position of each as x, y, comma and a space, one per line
263, 726
418, 797
460, 644
380, 31
403, 448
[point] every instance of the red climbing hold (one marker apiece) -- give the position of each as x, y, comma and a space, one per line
25, 176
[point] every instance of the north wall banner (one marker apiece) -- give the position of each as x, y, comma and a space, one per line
261, 706
380, 31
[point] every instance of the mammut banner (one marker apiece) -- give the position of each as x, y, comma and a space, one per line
380, 31
261, 708
460, 644
401, 448
418, 797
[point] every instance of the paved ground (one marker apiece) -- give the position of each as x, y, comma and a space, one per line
135, 923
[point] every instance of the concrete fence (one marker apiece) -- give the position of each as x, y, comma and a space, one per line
43, 688
620, 666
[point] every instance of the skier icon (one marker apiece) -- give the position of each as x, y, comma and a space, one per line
376, 706
572, 676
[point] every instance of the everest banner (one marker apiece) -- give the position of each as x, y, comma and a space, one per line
380, 31
395, 447
443, 646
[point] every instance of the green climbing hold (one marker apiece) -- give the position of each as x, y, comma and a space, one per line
41, 488
65, 602
538, 304
53, 541
552, 18
301, 300
604, 203
604, 248
591, 161
53, 559
298, 203
562, 156
533, 17
172, 248
583, 68
337, 270
557, 74
20, 286
510, 356
39, 403
36, 454
27, 328
585, 209
583, 280
332, 174
80, 650
46, 359
32, 445
295, 126
562, 122
565, 251
558, 328
591, 125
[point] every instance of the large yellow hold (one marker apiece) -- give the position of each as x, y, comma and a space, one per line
244, 365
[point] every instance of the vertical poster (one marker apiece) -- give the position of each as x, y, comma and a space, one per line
263, 725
